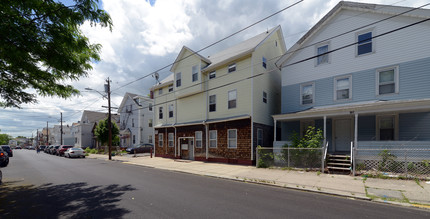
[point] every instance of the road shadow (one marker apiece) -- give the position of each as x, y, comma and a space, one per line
74, 200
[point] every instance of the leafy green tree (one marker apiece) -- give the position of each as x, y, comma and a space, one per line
42, 48
102, 131
4, 139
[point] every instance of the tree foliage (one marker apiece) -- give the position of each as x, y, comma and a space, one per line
4, 139
42, 48
102, 131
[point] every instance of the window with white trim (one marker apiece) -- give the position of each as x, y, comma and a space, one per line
386, 128
170, 110
232, 138
171, 137
232, 98
212, 138
198, 135
150, 107
160, 91
342, 88
387, 81
160, 112
322, 55
160, 139
364, 43
264, 97
150, 123
171, 88
260, 137
212, 74
264, 63
150, 139
232, 68
307, 93
212, 103
195, 72
178, 79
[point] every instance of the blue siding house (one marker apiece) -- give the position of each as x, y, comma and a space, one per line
362, 75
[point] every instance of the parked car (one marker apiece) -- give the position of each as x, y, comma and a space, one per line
4, 158
62, 149
42, 147
8, 150
18, 148
53, 150
74, 152
30, 148
142, 148
48, 149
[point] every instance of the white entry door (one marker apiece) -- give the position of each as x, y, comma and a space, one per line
343, 135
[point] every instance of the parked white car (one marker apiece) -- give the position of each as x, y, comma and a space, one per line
74, 152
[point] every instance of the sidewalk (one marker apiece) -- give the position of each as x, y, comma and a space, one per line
404, 192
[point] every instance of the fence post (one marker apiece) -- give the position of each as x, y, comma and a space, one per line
322, 159
406, 164
257, 157
353, 160
288, 153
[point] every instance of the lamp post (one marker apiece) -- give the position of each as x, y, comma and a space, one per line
107, 90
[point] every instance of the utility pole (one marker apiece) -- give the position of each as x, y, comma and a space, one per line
47, 134
109, 119
61, 129
37, 136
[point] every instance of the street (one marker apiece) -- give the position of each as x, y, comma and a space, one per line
47, 186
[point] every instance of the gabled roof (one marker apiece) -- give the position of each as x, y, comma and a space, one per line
180, 57
362, 7
132, 97
93, 116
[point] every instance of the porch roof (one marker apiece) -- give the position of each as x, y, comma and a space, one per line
361, 108
203, 122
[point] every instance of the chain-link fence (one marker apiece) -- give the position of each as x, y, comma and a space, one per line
306, 158
409, 159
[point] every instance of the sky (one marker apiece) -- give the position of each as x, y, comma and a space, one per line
148, 35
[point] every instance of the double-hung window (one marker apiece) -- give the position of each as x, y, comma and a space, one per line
171, 137
160, 139
343, 88
212, 138
232, 68
364, 43
178, 79
198, 135
232, 138
195, 72
134, 139
307, 94
150, 107
160, 91
387, 81
170, 110
171, 88
132, 122
212, 74
386, 128
212, 103
264, 63
150, 139
160, 112
232, 97
322, 52
264, 97
150, 123
260, 137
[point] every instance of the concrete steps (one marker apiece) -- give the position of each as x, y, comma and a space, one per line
339, 163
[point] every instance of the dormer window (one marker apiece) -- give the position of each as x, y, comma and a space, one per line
232, 68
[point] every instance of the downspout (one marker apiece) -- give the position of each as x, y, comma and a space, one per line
252, 107
207, 115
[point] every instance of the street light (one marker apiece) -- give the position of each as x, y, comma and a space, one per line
107, 90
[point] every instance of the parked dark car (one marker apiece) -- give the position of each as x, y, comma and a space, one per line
42, 147
18, 148
62, 149
48, 149
53, 150
142, 148
4, 158
8, 150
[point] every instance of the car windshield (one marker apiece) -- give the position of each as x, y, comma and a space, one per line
67, 146
56, 147
5, 147
76, 149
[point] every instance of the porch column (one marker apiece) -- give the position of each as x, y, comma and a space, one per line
274, 137
174, 142
356, 130
325, 131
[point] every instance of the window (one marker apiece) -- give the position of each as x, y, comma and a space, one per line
264, 97
150, 107
178, 79
212, 103
264, 63
232, 138
342, 88
307, 91
387, 80
132, 122
212, 139
260, 137
170, 110
232, 96
386, 128
160, 91
364, 43
150, 139
160, 139
195, 73
232, 68
171, 138
171, 88
198, 135
160, 112
322, 54
149, 122
134, 139
212, 74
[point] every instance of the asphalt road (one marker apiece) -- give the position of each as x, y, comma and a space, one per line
46, 186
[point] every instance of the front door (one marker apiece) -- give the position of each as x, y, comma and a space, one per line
191, 148
342, 135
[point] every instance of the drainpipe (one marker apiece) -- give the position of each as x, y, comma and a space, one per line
252, 107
